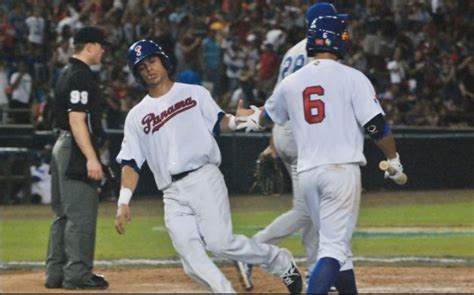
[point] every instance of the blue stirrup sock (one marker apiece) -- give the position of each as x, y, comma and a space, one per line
346, 283
323, 276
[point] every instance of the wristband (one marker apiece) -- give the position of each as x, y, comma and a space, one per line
125, 196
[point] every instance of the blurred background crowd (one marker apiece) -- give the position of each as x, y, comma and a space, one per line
418, 53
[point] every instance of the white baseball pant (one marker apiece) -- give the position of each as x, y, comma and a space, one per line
197, 216
332, 194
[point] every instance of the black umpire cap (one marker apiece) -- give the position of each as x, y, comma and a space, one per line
90, 35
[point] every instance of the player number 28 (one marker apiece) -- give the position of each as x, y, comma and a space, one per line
314, 111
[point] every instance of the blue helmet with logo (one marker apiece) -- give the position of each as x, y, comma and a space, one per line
327, 34
143, 49
320, 9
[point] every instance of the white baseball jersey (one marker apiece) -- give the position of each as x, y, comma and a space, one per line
173, 134
328, 104
295, 58
285, 145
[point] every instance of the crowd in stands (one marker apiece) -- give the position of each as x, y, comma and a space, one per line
418, 53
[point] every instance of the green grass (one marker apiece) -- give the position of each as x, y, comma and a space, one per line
447, 214
25, 239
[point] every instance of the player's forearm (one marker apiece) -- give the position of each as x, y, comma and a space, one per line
387, 145
129, 178
129, 181
224, 124
77, 121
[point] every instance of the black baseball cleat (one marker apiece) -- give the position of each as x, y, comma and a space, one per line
53, 285
292, 279
245, 274
96, 282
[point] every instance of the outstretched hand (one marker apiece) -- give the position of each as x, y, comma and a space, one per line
122, 217
241, 111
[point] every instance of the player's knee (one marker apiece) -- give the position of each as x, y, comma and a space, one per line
339, 255
217, 246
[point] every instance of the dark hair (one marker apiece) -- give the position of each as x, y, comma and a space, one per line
79, 47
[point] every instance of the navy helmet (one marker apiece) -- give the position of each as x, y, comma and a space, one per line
143, 49
327, 34
320, 9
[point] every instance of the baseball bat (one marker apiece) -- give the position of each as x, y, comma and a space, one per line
385, 166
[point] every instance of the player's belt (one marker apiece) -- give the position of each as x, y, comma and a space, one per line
181, 175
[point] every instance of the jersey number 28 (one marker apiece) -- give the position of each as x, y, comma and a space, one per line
314, 111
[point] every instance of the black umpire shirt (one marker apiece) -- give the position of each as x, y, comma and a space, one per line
77, 90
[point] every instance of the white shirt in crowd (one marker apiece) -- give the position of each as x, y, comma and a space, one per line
35, 29
41, 187
3, 86
23, 91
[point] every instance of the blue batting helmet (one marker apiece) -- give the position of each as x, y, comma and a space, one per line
320, 9
143, 49
327, 34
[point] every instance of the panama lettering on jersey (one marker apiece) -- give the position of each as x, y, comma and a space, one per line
154, 122
155, 129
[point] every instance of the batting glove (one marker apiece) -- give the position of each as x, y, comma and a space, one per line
397, 166
237, 123
252, 120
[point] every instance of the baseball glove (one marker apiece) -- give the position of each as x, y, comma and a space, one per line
268, 176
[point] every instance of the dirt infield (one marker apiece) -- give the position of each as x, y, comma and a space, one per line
369, 280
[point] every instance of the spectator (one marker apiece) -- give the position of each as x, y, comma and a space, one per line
466, 84
3, 91
21, 85
190, 45
419, 35
234, 61
211, 61
41, 183
36, 27
267, 70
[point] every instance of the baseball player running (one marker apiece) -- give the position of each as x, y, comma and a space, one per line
283, 144
172, 129
336, 104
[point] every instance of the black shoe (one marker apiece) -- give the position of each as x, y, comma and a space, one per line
245, 274
53, 285
96, 282
292, 279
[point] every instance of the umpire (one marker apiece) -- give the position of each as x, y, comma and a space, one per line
76, 169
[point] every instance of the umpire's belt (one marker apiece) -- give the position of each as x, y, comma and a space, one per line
65, 133
181, 175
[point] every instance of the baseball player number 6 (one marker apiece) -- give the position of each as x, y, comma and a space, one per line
309, 105
385, 166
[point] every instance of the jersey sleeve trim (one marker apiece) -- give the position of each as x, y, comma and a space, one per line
130, 163
217, 127
266, 115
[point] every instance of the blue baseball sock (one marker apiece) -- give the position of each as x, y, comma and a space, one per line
323, 276
345, 282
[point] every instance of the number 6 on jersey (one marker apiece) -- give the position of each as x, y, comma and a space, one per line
314, 111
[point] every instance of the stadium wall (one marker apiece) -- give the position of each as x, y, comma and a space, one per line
432, 158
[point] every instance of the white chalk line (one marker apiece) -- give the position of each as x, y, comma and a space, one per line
223, 261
